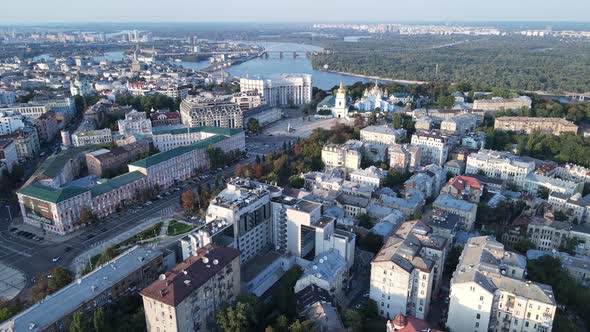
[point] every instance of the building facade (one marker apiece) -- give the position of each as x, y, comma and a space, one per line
135, 123
284, 89
211, 112
434, 147
552, 126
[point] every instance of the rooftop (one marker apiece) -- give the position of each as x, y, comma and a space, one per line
49, 194
211, 130
167, 155
116, 182
188, 276
68, 299
450, 202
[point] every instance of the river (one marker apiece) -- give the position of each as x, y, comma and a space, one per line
274, 64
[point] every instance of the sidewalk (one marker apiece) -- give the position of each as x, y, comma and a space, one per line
21, 226
12, 282
80, 262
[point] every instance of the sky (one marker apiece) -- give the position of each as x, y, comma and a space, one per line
159, 11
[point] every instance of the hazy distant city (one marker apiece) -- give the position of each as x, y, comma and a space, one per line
321, 174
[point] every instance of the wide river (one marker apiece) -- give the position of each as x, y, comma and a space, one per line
274, 64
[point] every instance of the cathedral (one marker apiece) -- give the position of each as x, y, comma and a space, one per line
337, 104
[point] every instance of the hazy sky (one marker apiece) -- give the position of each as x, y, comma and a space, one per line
43, 11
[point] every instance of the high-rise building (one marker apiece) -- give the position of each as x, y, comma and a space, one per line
284, 89
489, 292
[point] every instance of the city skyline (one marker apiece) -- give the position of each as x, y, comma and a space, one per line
266, 11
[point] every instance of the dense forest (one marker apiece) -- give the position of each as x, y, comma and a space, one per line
548, 64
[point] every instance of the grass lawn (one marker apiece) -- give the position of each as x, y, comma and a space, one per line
177, 227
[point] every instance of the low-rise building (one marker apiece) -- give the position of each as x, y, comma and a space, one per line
327, 273
500, 104
407, 272
466, 211
10, 121
187, 297
109, 195
90, 136
455, 167
548, 234
489, 292
347, 155
552, 126
371, 176
164, 118
135, 123
534, 182
576, 266
125, 275
382, 134
248, 100
464, 187
501, 165
459, 125
576, 206
104, 162
165, 140
264, 114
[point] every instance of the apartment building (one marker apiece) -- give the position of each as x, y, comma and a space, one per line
347, 155
576, 206
489, 292
244, 206
548, 234
382, 134
578, 267
264, 114
92, 137
125, 275
187, 297
500, 165
500, 104
434, 147
111, 194
407, 272
211, 112
328, 274
534, 182
466, 211
26, 110
460, 125
103, 161
26, 141
164, 118
10, 122
47, 126
370, 176
552, 126
8, 155
404, 157
283, 89
135, 123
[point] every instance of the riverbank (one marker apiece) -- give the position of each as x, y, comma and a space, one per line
378, 78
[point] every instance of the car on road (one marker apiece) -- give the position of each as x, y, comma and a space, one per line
12, 229
68, 249
90, 236
159, 197
55, 259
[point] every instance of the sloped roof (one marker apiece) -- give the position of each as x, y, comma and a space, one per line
116, 182
167, 155
49, 194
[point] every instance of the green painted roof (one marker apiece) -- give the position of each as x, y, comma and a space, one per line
400, 95
211, 130
115, 183
53, 165
49, 194
329, 101
167, 155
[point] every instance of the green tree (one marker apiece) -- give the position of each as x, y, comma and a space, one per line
253, 125
364, 220
99, 321
243, 316
281, 324
78, 323
86, 216
397, 120
296, 182
371, 242
298, 326
7, 310
352, 319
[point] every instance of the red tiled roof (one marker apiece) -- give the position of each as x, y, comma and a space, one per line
173, 289
461, 182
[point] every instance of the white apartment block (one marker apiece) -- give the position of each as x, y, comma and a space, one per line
347, 155
10, 122
533, 182
382, 135
211, 112
284, 89
500, 165
434, 147
371, 176
407, 272
135, 123
489, 293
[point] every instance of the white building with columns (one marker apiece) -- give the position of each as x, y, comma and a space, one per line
283, 89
